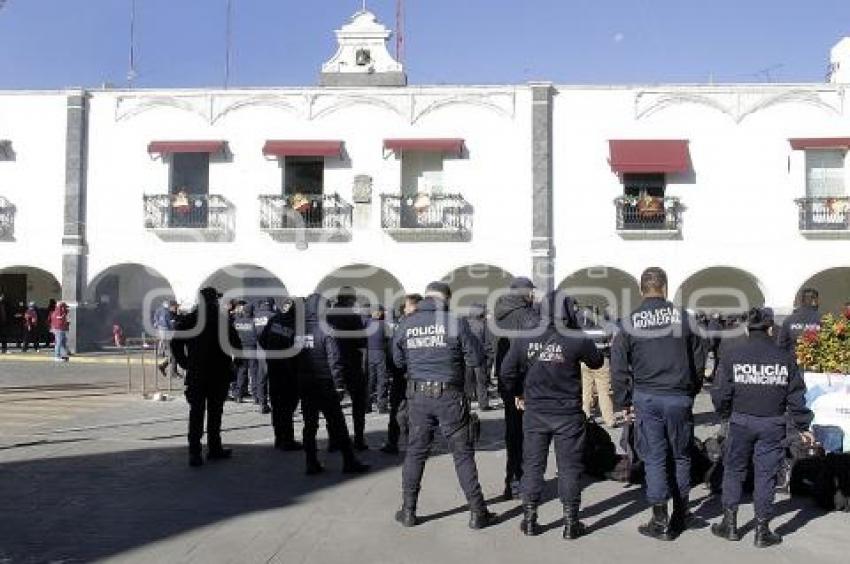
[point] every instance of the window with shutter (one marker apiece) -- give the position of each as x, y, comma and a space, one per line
825, 173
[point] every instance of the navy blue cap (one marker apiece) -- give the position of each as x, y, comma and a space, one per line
522, 283
440, 288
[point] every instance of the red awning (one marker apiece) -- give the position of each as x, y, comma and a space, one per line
170, 147
648, 156
820, 143
293, 148
448, 146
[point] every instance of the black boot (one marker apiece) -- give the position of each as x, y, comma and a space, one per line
195, 458
681, 517
728, 528
219, 453
352, 465
573, 528
764, 536
529, 525
658, 526
479, 517
508, 494
314, 467
288, 445
360, 444
406, 516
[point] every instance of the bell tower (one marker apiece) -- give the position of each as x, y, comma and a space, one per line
363, 58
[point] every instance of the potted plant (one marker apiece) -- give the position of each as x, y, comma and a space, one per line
824, 356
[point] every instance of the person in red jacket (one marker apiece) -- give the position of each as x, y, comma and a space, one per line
31, 327
59, 325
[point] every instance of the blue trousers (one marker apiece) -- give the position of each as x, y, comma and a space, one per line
664, 431
758, 439
568, 433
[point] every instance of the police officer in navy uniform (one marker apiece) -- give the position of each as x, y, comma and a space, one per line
544, 376
761, 390
320, 364
434, 347
264, 311
199, 350
247, 363
276, 337
657, 364
805, 318
513, 316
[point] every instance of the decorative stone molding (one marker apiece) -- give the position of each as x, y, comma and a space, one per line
127, 107
295, 104
501, 102
361, 191
738, 103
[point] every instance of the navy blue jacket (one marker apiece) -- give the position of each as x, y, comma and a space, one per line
478, 326
546, 370
319, 357
657, 351
276, 332
243, 322
377, 335
434, 345
513, 316
804, 319
206, 362
757, 377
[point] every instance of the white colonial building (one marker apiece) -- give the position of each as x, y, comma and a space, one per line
115, 199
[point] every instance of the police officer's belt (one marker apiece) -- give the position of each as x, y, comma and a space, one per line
433, 388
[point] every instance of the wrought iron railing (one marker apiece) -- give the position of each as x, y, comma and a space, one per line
446, 212
192, 211
648, 213
308, 211
827, 214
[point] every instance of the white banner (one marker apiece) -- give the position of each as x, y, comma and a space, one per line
828, 396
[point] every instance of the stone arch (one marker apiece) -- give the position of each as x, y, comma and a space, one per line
604, 290
29, 284
125, 294
721, 288
833, 286
245, 281
477, 284
372, 284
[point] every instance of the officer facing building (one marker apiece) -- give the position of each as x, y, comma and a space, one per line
434, 346
276, 337
248, 363
760, 384
657, 364
199, 350
544, 376
805, 318
320, 364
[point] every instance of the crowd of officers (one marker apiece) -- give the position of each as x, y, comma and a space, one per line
425, 369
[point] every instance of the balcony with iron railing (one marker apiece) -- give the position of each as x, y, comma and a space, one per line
302, 218
7, 220
648, 217
426, 217
189, 217
827, 217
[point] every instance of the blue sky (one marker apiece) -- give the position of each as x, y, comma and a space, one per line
180, 43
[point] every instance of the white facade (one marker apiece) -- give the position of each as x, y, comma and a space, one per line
740, 227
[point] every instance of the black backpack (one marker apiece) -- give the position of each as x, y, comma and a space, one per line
628, 467
600, 454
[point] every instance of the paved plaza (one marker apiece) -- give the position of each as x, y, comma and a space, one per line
91, 473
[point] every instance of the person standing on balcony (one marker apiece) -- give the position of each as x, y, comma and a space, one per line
350, 332
59, 325
657, 365
514, 316
805, 318
198, 349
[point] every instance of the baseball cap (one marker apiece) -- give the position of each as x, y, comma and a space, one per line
523, 283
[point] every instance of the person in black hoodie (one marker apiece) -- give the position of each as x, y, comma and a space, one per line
478, 379
759, 385
543, 375
657, 366
320, 365
805, 318
349, 329
199, 351
514, 316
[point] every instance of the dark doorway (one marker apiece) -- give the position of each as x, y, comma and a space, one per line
190, 183
304, 175
14, 287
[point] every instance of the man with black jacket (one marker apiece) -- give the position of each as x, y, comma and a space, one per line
514, 316
275, 328
478, 379
199, 350
320, 364
657, 364
247, 364
805, 318
349, 330
543, 374
759, 384
434, 346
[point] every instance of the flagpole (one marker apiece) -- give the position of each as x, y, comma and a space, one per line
131, 73
229, 41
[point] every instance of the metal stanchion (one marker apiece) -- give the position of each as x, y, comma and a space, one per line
144, 375
129, 372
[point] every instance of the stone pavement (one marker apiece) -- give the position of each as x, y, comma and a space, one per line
109, 482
